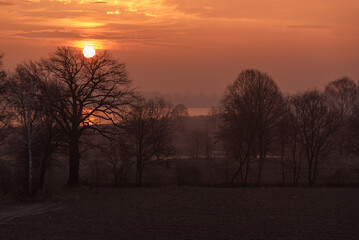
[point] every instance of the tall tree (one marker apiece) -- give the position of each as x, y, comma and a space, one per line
21, 96
5, 117
4, 111
291, 151
251, 107
36, 131
316, 123
78, 90
342, 95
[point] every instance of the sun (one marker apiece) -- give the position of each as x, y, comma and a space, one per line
89, 51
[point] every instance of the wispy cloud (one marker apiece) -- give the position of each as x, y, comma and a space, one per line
310, 26
49, 34
167, 21
6, 3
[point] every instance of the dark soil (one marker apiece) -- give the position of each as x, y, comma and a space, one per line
191, 213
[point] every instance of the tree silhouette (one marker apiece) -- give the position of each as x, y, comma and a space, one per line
4, 113
251, 110
342, 95
77, 89
37, 134
316, 123
150, 125
5, 118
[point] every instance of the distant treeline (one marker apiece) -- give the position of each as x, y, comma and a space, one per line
190, 100
72, 106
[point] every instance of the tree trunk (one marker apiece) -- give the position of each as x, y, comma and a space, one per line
137, 174
140, 177
242, 176
247, 171
239, 170
298, 168
259, 181
43, 171
282, 161
315, 170
139, 170
262, 157
294, 174
235, 174
29, 147
297, 163
74, 163
310, 173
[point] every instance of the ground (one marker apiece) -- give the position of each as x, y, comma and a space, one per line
187, 213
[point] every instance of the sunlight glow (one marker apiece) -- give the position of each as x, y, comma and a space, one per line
90, 119
117, 12
96, 44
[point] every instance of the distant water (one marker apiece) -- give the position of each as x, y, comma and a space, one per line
198, 111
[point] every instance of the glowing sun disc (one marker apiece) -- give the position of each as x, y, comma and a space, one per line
89, 51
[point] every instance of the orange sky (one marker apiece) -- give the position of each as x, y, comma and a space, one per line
194, 45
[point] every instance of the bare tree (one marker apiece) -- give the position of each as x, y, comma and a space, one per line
119, 159
150, 125
316, 123
167, 119
354, 129
78, 90
194, 142
5, 119
21, 97
291, 150
251, 108
37, 135
282, 136
342, 95
5, 114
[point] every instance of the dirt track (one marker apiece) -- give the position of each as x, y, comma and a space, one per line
195, 213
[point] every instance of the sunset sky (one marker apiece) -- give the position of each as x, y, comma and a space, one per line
194, 45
